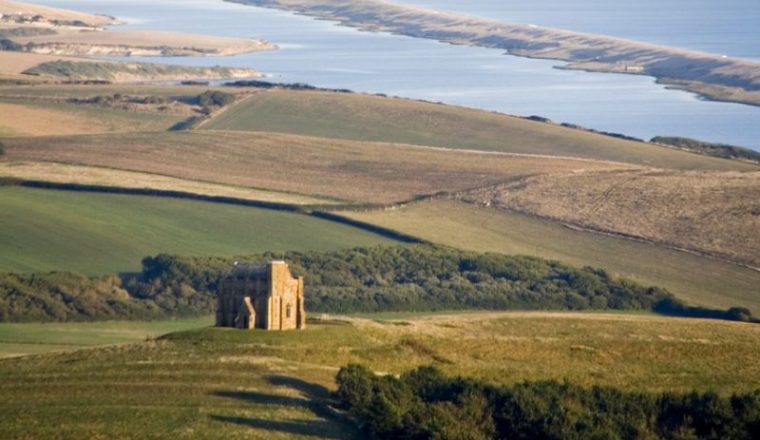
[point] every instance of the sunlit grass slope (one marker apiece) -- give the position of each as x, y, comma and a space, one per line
222, 383
93, 233
374, 118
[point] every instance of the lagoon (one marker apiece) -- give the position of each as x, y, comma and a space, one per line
327, 55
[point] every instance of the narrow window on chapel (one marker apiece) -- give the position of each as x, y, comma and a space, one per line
287, 312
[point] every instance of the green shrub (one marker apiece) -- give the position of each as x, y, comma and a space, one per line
375, 279
215, 99
425, 404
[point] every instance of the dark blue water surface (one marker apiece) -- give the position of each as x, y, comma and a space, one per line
325, 54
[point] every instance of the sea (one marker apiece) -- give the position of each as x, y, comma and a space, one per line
325, 54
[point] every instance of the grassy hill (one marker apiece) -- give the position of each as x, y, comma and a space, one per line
373, 118
693, 278
342, 169
212, 383
92, 233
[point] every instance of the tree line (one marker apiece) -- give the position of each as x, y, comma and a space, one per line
370, 279
425, 404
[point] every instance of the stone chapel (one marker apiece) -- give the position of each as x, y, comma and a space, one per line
264, 297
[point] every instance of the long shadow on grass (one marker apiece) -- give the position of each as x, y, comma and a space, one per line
316, 399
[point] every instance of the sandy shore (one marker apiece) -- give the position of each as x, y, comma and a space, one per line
713, 76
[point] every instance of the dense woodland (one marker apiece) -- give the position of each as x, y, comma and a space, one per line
425, 404
376, 279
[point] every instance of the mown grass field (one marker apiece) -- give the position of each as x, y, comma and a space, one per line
348, 170
373, 118
94, 233
222, 383
696, 279
25, 339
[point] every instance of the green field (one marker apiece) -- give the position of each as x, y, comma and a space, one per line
95, 233
222, 383
699, 280
372, 118
25, 339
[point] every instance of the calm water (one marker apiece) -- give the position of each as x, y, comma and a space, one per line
327, 55
728, 27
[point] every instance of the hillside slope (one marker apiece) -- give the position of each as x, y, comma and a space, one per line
349, 170
705, 212
93, 233
218, 383
375, 118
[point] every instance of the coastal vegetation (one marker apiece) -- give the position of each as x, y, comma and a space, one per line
129, 71
424, 403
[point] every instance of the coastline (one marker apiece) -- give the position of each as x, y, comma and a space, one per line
57, 44
712, 76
